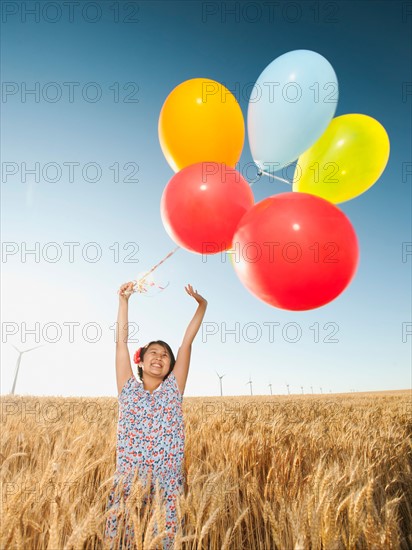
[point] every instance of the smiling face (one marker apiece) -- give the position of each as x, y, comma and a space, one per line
156, 361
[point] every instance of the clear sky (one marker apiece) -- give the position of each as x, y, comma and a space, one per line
99, 174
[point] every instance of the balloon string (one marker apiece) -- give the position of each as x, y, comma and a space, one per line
141, 281
260, 172
160, 263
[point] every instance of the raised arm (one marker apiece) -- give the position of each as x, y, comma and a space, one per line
181, 368
123, 365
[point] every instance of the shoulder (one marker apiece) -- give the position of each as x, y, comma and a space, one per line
171, 383
131, 383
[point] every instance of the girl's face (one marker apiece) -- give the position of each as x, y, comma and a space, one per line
156, 361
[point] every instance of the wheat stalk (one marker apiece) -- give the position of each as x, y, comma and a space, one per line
54, 529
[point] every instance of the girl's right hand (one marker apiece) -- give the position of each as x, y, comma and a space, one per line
123, 295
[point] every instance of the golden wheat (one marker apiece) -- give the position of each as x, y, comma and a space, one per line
262, 473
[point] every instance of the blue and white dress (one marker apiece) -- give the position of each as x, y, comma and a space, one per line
150, 437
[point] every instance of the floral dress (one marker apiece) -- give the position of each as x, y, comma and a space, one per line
150, 437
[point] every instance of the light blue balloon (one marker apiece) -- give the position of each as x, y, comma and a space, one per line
290, 106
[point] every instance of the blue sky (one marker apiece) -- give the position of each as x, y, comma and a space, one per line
163, 44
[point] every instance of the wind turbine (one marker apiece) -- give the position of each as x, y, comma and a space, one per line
301, 389
311, 388
287, 385
220, 380
250, 382
270, 386
18, 364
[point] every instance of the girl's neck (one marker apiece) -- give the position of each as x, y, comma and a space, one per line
150, 385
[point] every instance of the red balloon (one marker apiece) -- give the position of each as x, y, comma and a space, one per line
295, 251
202, 205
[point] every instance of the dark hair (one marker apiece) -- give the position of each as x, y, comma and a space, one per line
169, 350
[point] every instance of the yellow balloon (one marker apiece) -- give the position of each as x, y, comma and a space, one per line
201, 121
347, 159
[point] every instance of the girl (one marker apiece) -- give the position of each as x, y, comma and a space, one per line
150, 434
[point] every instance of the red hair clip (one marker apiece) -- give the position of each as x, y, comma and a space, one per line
136, 357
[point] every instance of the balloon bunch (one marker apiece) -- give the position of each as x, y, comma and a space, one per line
296, 250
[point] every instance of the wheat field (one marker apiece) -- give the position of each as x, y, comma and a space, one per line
291, 472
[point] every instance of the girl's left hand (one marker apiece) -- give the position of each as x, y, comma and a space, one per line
199, 299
